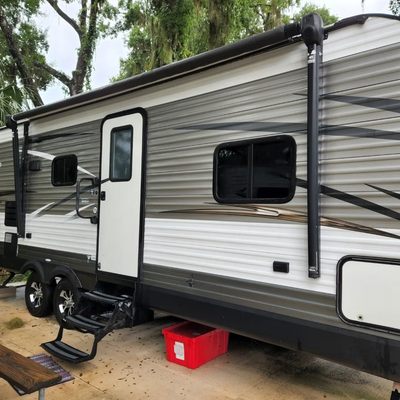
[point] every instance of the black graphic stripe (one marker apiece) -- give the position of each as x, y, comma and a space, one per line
351, 199
293, 127
251, 126
39, 139
386, 191
378, 103
371, 102
6, 192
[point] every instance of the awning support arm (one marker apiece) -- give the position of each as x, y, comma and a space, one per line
12, 124
312, 32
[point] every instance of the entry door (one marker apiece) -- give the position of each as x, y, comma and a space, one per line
120, 194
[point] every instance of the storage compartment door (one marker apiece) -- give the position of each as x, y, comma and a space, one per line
368, 293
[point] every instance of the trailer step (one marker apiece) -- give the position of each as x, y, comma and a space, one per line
104, 298
65, 352
86, 324
99, 314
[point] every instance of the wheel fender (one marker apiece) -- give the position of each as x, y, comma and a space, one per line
66, 272
35, 266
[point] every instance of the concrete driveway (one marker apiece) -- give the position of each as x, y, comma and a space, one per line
131, 365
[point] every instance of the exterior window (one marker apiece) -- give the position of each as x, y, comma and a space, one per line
255, 171
121, 154
64, 170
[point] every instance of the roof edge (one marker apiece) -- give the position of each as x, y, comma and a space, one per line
358, 19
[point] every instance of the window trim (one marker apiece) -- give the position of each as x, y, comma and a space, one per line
268, 139
113, 130
52, 170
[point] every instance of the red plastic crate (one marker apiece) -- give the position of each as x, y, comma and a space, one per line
191, 345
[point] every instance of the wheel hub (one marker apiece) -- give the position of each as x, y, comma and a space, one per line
67, 303
36, 295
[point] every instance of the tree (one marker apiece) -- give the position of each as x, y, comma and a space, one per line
273, 12
93, 21
163, 31
26, 44
220, 21
323, 11
159, 33
22, 45
12, 98
395, 7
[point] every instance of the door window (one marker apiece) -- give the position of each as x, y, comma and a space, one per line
121, 154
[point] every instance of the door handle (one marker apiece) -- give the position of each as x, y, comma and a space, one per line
102, 196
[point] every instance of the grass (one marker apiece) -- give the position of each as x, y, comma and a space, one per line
17, 278
14, 323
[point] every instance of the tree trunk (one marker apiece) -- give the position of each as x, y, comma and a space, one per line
85, 53
218, 28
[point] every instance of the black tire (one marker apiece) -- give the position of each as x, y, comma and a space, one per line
65, 299
38, 296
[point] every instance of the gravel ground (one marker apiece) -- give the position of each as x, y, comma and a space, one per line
131, 364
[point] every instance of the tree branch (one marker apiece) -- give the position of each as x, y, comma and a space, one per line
61, 76
65, 17
12, 46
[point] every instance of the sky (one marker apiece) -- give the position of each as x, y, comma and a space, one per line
63, 42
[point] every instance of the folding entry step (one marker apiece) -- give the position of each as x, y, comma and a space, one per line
104, 298
112, 312
66, 352
86, 324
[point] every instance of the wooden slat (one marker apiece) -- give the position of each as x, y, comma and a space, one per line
25, 373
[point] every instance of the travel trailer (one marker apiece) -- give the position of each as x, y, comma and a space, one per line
255, 187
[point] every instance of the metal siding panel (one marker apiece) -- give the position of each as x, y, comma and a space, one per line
279, 299
246, 250
180, 152
83, 141
179, 174
6, 172
51, 219
61, 232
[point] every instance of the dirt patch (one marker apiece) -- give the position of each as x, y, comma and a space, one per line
14, 323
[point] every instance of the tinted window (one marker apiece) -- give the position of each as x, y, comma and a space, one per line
233, 172
256, 171
121, 154
272, 170
64, 170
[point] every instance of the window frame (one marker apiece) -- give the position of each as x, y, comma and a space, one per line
250, 166
113, 131
52, 170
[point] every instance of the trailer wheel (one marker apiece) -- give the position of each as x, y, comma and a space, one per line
66, 297
38, 296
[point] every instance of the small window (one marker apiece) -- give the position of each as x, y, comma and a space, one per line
255, 171
64, 170
121, 154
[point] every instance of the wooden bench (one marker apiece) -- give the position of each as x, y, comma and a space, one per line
24, 373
